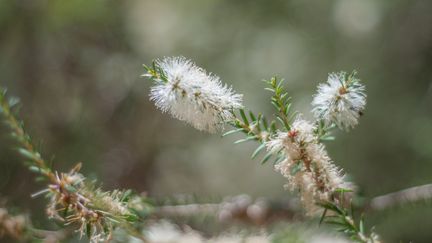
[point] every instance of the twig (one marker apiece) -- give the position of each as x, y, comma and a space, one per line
413, 194
237, 208
409, 195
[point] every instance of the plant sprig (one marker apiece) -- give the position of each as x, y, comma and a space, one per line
257, 128
323, 131
336, 214
281, 102
26, 149
155, 73
74, 200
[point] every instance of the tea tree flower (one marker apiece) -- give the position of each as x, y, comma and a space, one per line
307, 166
94, 210
340, 101
191, 94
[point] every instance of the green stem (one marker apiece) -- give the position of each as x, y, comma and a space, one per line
26, 148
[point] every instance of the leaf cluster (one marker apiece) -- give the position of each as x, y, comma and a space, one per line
335, 213
257, 128
155, 73
281, 102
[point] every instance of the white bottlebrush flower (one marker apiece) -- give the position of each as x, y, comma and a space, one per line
307, 165
340, 101
191, 94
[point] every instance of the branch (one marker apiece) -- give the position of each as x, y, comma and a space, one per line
238, 208
412, 194
242, 203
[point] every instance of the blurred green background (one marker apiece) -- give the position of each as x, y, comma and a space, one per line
76, 64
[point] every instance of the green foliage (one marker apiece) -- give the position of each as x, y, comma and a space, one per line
25, 148
257, 128
323, 132
343, 219
155, 73
281, 102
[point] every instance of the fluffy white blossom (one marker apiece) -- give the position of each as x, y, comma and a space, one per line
340, 101
307, 165
192, 95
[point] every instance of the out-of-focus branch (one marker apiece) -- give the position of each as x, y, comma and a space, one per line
409, 195
188, 209
19, 228
262, 211
11, 226
238, 208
